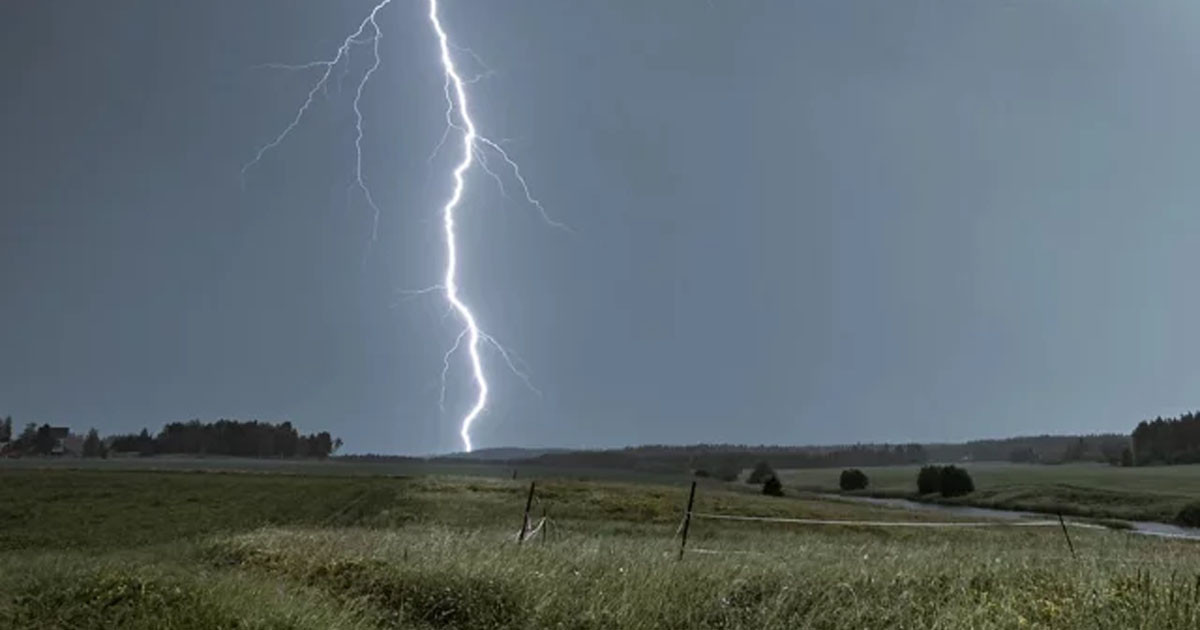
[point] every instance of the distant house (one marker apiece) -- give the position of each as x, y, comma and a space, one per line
59, 435
73, 445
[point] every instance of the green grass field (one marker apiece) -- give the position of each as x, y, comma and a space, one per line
108, 549
1153, 493
337, 467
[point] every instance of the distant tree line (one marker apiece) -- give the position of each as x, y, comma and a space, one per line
1034, 449
1111, 449
223, 437
727, 461
228, 437
1168, 441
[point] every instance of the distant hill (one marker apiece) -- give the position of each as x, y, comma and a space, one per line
725, 461
504, 454
721, 460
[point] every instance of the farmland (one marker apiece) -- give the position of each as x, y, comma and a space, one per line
155, 549
1153, 493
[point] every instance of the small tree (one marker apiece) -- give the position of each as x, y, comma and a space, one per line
956, 481
322, 444
762, 470
6, 429
27, 439
1127, 457
929, 480
772, 487
145, 443
92, 446
853, 479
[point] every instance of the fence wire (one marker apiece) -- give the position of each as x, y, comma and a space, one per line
933, 524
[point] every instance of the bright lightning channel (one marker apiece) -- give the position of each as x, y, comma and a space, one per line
450, 283
473, 144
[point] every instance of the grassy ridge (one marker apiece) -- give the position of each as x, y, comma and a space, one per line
264, 551
1145, 493
765, 579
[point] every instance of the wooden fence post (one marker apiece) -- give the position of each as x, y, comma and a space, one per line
525, 518
687, 519
1063, 524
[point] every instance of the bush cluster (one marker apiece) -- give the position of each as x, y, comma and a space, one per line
949, 481
1189, 515
929, 480
853, 479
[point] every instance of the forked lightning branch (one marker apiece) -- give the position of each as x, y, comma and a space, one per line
474, 148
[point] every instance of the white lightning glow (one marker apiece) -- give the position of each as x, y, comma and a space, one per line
450, 282
475, 146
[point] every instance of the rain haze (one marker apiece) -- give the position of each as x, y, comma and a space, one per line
791, 222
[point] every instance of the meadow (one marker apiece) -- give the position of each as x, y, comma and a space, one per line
1149, 493
181, 550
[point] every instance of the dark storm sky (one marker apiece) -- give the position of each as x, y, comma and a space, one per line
794, 222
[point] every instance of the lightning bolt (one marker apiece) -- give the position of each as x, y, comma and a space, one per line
450, 282
474, 152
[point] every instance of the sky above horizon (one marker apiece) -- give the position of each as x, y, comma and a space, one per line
791, 222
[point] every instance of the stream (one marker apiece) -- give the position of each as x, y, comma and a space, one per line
1145, 528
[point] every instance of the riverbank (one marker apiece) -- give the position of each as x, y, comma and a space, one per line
1148, 528
1068, 501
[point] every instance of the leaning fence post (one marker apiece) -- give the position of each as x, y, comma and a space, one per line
687, 520
525, 518
1063, 524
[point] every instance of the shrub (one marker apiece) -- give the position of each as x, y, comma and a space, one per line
762, 470
1189, 515
727, 472
772, 487
929, 480
956, 481
853, 479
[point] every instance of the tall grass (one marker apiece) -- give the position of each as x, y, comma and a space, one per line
421, 576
